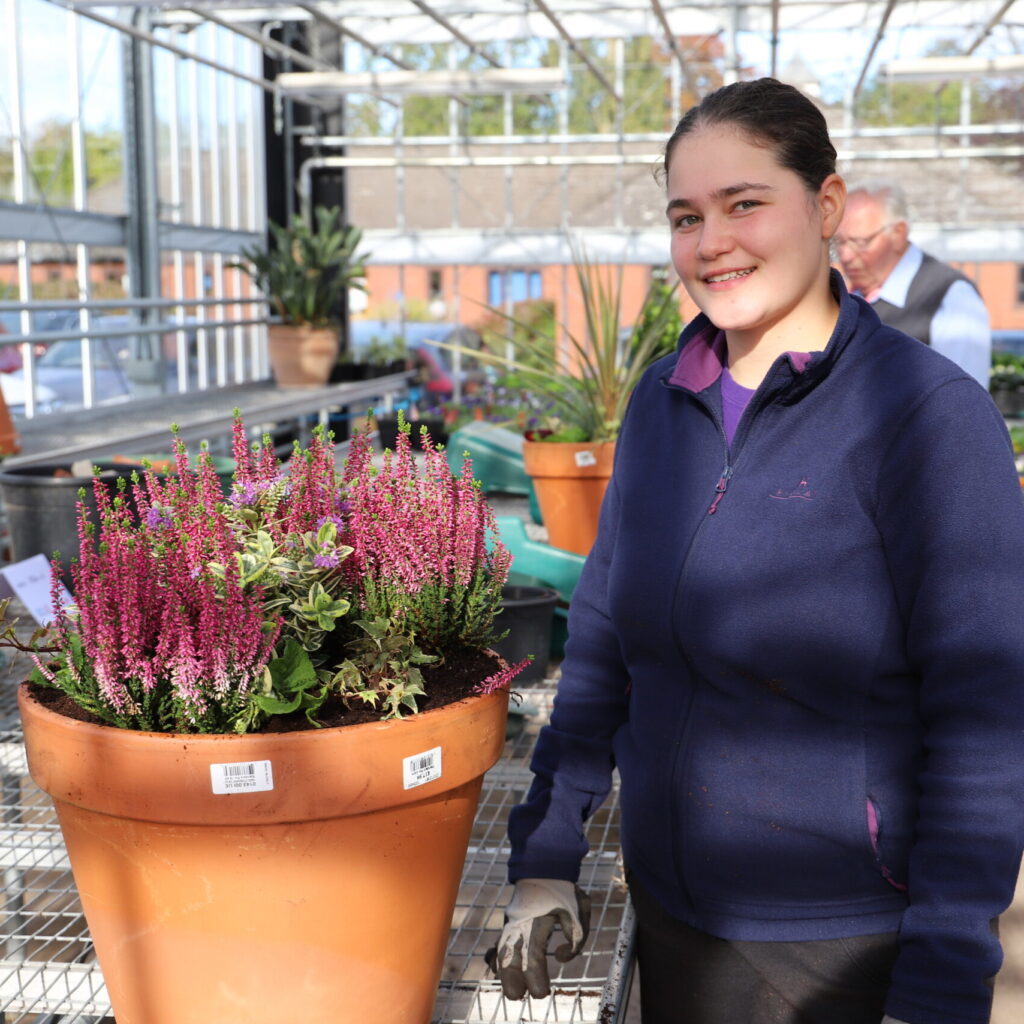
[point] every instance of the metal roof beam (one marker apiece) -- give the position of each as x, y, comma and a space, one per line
336, 26
990, 24
457, 33
542, 6
269, 46
155, 40
684, 64
879, 35
377, 51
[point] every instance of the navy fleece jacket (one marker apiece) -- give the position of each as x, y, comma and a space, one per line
805, 657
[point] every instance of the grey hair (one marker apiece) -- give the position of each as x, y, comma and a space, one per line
888, 193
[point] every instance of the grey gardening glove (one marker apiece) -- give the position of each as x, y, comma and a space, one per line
537, 905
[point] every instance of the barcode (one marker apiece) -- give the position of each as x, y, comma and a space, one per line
420, 768
241, 777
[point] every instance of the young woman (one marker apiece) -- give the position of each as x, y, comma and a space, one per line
797, 636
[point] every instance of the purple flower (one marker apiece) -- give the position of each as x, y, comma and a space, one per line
325, 561
339, 523
243, 494
159, 515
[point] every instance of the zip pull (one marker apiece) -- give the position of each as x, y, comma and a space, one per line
723, 482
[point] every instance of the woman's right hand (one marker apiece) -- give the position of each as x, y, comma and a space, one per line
537, 905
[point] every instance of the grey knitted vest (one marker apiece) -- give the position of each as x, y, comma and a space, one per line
931, 282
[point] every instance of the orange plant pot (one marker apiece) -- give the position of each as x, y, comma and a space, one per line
570, 481
10, 443
301, 357
326, 897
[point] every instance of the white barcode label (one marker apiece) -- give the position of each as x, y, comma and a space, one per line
585, 458
421, 768
241, 777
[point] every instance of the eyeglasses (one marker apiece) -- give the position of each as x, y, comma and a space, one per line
859, 244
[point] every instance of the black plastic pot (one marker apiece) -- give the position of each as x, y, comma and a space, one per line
341, 372
387, 430
527, 613
41, 509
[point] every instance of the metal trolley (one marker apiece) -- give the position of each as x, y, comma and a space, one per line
48, 971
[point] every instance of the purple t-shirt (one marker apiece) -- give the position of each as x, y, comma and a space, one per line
735, 398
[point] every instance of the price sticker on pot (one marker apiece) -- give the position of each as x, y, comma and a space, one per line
584, 459
421, 768
241, 777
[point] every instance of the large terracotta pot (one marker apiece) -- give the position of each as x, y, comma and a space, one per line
570, 481
302, 357
320, 886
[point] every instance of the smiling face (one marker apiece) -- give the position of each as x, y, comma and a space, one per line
750, 242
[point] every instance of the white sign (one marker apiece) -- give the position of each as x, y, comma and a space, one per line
241, 777
29, 580
421, 768
585, 458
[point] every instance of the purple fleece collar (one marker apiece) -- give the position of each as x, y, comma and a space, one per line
701, 360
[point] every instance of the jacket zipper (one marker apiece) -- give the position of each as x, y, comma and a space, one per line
682, 746
675, 834
723, 483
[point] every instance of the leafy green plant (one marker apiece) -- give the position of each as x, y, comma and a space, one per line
586, 389
306, 270
1007, 370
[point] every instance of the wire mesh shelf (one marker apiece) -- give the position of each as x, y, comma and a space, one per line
48, 971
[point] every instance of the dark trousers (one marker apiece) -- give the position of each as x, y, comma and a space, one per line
689, 977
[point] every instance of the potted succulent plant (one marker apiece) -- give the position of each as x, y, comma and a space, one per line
304, 273
264, 724
569, 448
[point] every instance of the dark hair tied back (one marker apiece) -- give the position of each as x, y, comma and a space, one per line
772, 114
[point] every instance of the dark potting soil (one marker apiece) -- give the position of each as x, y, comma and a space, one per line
445, 683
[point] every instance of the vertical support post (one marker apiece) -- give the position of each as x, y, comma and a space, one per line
142, 236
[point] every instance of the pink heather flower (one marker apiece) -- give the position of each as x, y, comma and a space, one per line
502, 678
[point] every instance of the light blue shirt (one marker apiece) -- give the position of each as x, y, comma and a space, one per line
960, 327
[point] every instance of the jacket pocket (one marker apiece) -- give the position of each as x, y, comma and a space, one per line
874, 815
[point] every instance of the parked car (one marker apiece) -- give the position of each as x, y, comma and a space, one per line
435, 364
59, 371
15, 393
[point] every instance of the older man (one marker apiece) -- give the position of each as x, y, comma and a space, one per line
908, 288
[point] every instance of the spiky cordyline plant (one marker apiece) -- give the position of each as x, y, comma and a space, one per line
590, 389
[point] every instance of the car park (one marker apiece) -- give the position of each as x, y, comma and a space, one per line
59, 371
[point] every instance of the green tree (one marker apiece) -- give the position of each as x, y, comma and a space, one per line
50, 168
885, 102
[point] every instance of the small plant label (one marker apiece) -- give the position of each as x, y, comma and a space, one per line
421, 768
241, 777
29, 581
584, 459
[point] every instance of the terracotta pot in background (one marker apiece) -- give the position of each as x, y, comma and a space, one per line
302, 357
10, 442
570, 481
326, 897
